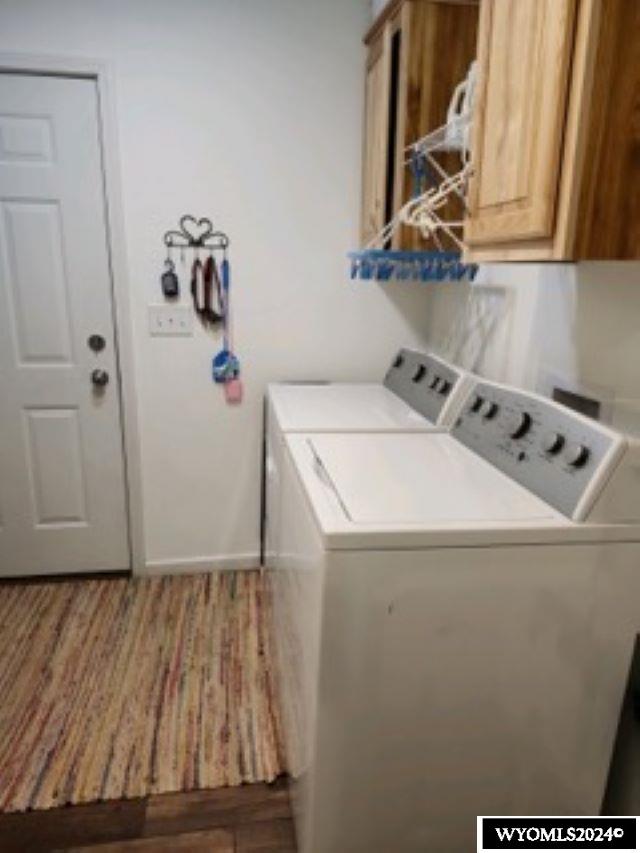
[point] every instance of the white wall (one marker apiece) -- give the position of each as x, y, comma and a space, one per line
248, 111
529, 323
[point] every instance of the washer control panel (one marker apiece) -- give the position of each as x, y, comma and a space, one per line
552, 451
423, 381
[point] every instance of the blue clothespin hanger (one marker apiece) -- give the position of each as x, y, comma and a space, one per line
383, 265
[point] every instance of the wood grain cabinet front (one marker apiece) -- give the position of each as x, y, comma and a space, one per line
418, 52
556, 138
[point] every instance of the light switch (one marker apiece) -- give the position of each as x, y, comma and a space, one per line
170, 320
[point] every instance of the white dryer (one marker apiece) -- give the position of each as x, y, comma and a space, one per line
455, 616
420, 393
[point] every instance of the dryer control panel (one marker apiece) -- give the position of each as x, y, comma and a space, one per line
556, 453
424, 382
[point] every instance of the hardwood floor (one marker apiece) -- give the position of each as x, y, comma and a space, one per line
246, 819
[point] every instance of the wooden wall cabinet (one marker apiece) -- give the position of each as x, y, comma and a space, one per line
556, 139
418, 52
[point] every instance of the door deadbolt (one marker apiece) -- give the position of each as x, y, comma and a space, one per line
96, 343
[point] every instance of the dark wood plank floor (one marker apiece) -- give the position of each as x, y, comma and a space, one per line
248, 819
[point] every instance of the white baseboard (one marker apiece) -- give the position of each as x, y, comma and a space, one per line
194, 565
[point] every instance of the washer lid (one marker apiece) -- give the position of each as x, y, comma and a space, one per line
427, 480
342, 407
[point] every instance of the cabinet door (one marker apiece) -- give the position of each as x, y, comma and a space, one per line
525, 52
376, 133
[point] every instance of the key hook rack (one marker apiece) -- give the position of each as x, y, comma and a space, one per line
195, 234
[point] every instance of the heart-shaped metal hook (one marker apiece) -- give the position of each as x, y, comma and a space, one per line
197, 230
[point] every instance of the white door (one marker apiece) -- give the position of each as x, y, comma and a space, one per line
62, 485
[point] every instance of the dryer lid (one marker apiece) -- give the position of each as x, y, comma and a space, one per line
426, 480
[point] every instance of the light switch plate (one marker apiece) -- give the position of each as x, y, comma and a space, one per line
170, 320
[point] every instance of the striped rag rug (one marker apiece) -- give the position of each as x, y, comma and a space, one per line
128, 687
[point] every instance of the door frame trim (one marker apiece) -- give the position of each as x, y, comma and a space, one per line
101, 73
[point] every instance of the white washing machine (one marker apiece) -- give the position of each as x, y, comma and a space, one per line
420, 393
455, 616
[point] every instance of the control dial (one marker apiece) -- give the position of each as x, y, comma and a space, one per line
476, 403
489, 410
552, 443
519, 424
434, 382
577, 455
420, 373
445, 387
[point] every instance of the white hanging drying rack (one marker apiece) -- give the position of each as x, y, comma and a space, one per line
424, 210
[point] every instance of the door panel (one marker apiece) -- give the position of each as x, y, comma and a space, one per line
525, 50
55, 465
41, 331
25, 139
62, 483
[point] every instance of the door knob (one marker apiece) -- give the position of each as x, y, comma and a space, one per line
100, 378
